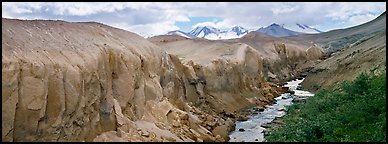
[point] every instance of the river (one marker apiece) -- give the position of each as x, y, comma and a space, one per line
253, 126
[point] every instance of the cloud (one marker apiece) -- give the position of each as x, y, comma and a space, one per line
284, 8
360, 19
342, 11
148, 30
212, 24
152, 18
4, 14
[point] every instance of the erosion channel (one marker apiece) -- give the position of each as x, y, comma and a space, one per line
252, 130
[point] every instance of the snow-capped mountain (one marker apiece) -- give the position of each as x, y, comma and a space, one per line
306, 29
277, 31
239, 30
212, 33
203, 31
180, 33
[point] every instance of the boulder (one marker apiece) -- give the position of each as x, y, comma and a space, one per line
261, 109
242, 118
283, 89
222, 131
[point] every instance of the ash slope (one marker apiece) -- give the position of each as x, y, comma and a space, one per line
352, 51
67, 81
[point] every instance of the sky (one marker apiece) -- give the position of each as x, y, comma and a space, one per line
156, 18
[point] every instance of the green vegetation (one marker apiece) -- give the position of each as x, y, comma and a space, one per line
356, 112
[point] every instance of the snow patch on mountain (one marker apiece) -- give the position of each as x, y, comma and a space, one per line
212, 33
306, 29
277, 31
180, 33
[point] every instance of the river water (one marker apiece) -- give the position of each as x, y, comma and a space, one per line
253, 130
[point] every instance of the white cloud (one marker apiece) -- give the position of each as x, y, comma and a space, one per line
360, 19
20, 8
148, 30
4, 14
82, 9
342, 11
284, 8
158, 18
212, 24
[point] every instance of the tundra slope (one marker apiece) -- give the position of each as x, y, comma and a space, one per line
335, 40
352, 51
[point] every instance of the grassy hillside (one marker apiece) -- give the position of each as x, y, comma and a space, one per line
355, 112
366, 55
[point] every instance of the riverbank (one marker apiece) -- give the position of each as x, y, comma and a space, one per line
354, 113
252, 130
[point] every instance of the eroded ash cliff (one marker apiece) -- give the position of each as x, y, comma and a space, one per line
87, 81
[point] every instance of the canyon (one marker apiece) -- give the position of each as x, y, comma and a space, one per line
86, 81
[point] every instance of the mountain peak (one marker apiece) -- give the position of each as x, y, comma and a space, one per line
180, 33
238, 27
213, 33
274, 25
202, 31
277, 31
239, 30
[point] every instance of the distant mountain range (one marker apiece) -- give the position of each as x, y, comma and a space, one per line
212, 33
180, 33
277, 31
307, 29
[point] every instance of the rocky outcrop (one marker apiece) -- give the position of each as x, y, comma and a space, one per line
61, 80
66, 81
283, 58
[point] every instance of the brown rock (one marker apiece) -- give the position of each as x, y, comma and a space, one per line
145, 133
184, 116
199, 140
219, 138
223, 131
176, 124
196, 134
283, 89
242, 118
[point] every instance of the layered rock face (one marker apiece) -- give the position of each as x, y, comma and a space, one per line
61, 80
90, 82
284, 58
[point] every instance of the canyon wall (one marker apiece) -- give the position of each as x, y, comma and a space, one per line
66, 81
